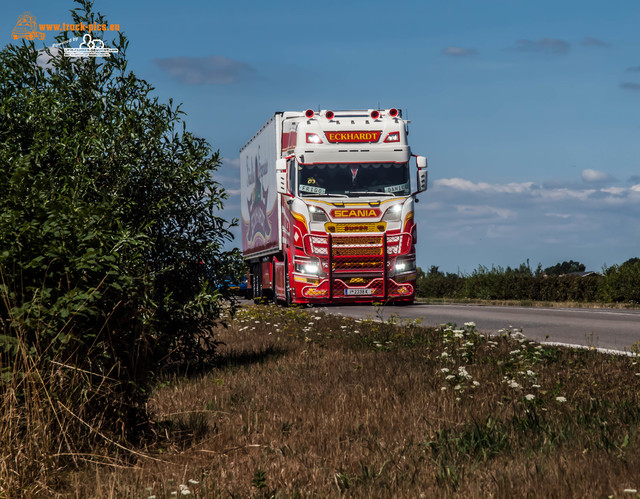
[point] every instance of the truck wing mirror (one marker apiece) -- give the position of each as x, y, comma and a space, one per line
281, 176
421, 174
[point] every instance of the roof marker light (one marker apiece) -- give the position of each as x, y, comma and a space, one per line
309, 113
329, 115
375, 115
393, 137
313, 138
393, 112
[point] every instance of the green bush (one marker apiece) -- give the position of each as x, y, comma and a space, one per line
619, 284
109, 228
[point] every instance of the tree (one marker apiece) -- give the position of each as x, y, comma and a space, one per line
565, 268
109, 228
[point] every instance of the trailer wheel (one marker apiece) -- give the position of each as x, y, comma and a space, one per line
256, 280
287, 285
274, 293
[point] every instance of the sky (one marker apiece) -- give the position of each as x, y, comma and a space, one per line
528, 112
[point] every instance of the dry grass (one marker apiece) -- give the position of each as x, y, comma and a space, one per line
312, 405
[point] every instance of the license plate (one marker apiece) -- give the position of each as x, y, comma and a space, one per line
358, 291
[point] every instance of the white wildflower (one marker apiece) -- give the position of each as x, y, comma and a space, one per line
457, 387
514, 384
463, 373
443, 388
193, 482
450, 377
530, 373
444, 370
535, 386
444, 354
184, 490
470, 324
561, 399
476, 383
530, 396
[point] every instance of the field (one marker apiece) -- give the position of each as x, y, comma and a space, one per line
307, 404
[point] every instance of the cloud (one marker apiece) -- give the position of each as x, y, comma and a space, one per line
467, 185
459, 51
212, 70
544, 45
634, 69
595, 176
44, 59
630, 86
589, 41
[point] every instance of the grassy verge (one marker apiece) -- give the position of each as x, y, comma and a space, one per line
307, 404
526, 303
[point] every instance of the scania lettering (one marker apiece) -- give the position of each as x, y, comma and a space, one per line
328, 208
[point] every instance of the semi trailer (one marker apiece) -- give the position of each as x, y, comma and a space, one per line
328, 208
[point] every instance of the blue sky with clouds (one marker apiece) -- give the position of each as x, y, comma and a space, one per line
529, 112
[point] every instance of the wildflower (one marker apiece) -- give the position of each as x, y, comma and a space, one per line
530, 373
514, 384
444, 354
184, 490
443, 388
514, 352
457, 399
457, 387
561, 399
535, 386
530, 396
444, 370
450, 377
463, 373
630, 491
476, 383
470, 324
193, 482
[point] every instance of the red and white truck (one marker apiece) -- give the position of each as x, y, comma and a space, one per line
328, 208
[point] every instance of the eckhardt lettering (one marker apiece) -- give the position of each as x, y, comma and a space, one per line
340, 137
356, 213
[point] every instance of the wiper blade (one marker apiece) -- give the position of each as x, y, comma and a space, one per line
371, 193
331, 194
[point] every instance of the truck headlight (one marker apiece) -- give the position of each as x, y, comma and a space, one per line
393, 213
317, 215
404, 265
309, 268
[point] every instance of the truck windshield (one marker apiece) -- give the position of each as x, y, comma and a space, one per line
354, 179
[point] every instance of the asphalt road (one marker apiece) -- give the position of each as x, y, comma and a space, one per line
602, 328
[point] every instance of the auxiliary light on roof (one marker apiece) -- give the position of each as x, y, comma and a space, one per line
309, 113
329, 115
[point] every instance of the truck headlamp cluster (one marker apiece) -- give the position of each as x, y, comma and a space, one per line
311, 267
393, 214
404, 265
317, 215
